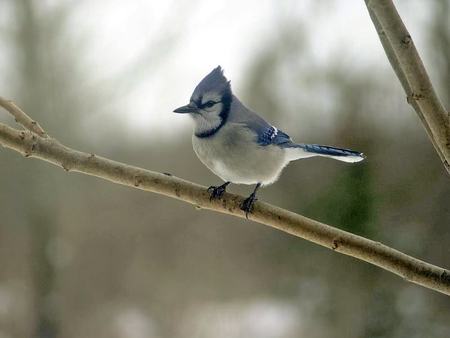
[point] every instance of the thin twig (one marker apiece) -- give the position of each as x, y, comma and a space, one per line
22, 118
50, 150
407, 64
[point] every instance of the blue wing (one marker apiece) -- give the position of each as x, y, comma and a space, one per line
271, 135
265, 133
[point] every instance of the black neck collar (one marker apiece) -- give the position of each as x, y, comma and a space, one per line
226, 101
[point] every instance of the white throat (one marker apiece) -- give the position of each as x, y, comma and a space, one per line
204, 125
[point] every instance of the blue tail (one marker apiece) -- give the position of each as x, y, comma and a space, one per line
332, 151
309, 150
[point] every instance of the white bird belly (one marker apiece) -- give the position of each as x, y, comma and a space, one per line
232, 155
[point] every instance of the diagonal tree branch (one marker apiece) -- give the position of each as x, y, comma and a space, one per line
48, 149
408, 66
22, 118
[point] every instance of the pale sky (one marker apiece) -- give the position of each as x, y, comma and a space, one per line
208, 33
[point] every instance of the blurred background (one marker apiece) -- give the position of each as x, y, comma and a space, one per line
81, 257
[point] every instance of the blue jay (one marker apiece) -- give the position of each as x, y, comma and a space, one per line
238, 145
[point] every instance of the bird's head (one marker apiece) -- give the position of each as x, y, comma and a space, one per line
210, 103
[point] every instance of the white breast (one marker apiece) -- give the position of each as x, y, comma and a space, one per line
233, 155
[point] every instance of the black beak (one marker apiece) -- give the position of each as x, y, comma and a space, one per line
189, 108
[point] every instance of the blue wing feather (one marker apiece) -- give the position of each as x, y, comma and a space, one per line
265, 133
272, 135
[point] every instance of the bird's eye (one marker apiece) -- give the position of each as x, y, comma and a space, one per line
209, 104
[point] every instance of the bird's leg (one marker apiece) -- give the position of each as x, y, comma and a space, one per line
217, 192
247, 205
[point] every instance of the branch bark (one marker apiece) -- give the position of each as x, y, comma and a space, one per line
22, 118
48, 149
408, 66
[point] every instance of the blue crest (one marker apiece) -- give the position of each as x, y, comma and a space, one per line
213, 82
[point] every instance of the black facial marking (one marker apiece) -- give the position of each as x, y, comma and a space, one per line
215, 82
209, 104
226, 103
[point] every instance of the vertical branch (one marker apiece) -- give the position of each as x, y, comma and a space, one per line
409, 68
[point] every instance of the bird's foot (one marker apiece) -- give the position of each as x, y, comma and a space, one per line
247, 205
217, 192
